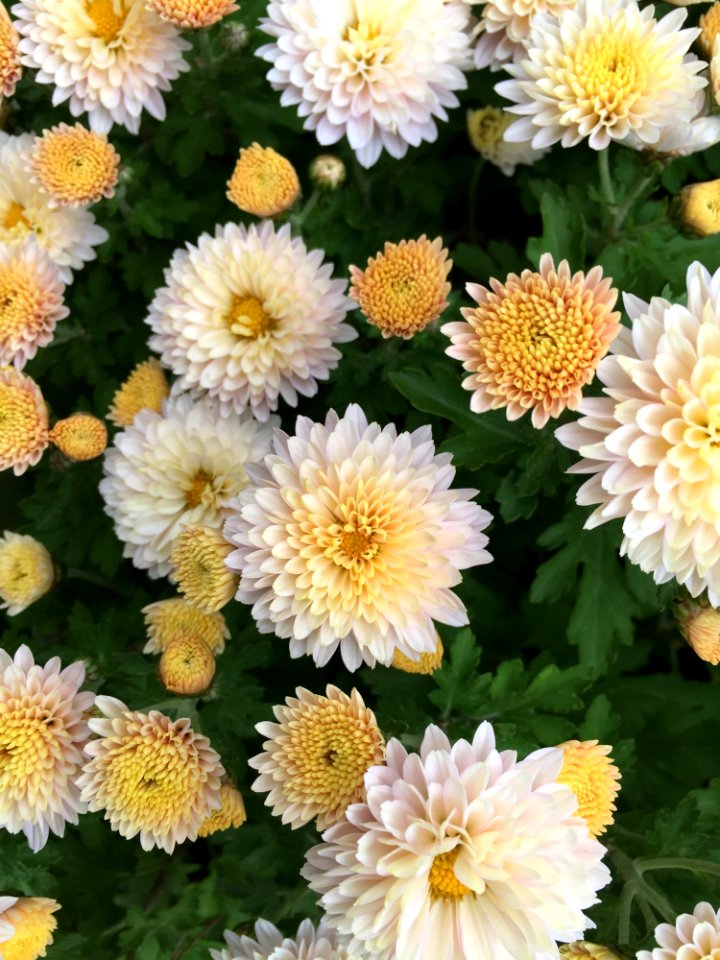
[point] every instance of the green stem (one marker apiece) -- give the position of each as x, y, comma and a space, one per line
606, 184
678, 863
624, 208
624, 911
298, 219
472, 196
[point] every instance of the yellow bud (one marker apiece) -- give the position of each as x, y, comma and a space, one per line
187, 666
699, 624
263, 183
709, 24
80, 437
699, 207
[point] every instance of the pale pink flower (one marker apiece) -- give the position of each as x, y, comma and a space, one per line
693, 936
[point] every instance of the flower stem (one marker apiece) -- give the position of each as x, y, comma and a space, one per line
606, 184
298, 219
677, 863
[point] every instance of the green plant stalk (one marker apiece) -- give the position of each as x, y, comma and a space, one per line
606, 185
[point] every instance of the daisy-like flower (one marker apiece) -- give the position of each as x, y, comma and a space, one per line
31, 301
68, 235
152, 776
26, 572
187, 666
650, 441
199, 569
352, 538
603, 70
379, 73
486, 128
229, 816
167, 619
699, 624
144, 389
10, 68
263, 183
504, 28
248, 316
111, 59
427, 663
74, 166
583, 950
534, 342
23, 421
308, 943
693, 936
27, 925
42, 731
316, 756
80, 437
459, 851
176, 469
192, 14
592, 776
403, 289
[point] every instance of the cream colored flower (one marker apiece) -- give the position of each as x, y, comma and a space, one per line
593, 778
504, 28
650, 442
176, 469
42, 731
31, 301
27, 925
199, 568
263, 183
693, 936
80, 437
192, 14
248, 316
26, 572
352, 538
167, 619
10, 68
152, 776
23, 421
459, 851
144, 389
379, 73
187, 666
680, 137
603, 70
229, 816
486, 129
269, 944
74, 166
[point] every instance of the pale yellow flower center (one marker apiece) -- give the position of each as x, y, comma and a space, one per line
108, 23
20, 423
200, 490
28, 747
443, 883
356, 538
33, 933
611, 71
366, 45
247, 318
15, 217
20, 302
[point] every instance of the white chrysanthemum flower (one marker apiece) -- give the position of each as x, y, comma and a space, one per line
459, 851
379, 73
42, 732
693, 936
68, 235
504, 28
352, 538
604, 70
249, 315
269, 944
681, 138
652, 442
111, 59
10, 68
178, 468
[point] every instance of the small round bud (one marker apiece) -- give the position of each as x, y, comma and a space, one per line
80, 437
187, 666
698, 208
234, 37
327, 172
263, 183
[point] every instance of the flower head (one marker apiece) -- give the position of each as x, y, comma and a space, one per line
31, 301
263, 183
462, 846
177, 469
709, 24
269, 944
699, 624
144, 389
583, 950
187, 666
74, 166
42, 731
249, 316
111, 59
486, 129
534, 342
693, 936
315, 758
199, 570
504, 28
23, 421
649, 442
352, 538
192, 14
80, 437
27, 925
427, 662
602, 70
593, 778
26, 572
10, 68
699, 207
152, 776
230, 815
167, 619
379, 73
327, 172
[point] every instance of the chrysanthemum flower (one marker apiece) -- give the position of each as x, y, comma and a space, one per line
248, 316
504, 28
68, 235
379, 73
192, 14
263, 182
152, 776
486, 128
693, 936
315, 758
144, 389
199, 569
459, 851
74, 166
31, 301
650, 441
591, 775
187, 666
602, 70
177, 469
427, 663
534, 342
80, 437
111, 59
167, 619
699, 624
27, 925
583, 950
327, 172
42, 731
269, 944
23, 421
352, 538
10, 68
230, 816
680, 137
26, 572
709, 24
698, 206
403, 289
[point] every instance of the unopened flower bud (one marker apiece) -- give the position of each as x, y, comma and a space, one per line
327, 172
234, 37
187, 666
80, 437
699, 624
698, 207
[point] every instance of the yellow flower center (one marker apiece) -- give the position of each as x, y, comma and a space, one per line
247, 318
108, 23
443, 883
75, 166
20, 423
366, 45
15, 217
33, 933
611, 71
200, 490
354, 541
28, 748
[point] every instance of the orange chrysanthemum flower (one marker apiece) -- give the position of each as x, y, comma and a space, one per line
144, 389
74, 166
192, 14
230, 815
426, 664
23, 421
187, 666
10, 68
263, 183
593, 778
27, 925
534, 342
80, 437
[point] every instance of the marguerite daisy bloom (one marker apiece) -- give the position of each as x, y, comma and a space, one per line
308, 943
504, 28
26, 572
10, 68
24, 434
693, 936
27, 925
379, 73
74, 166
111, 59
353, 538
459, 851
